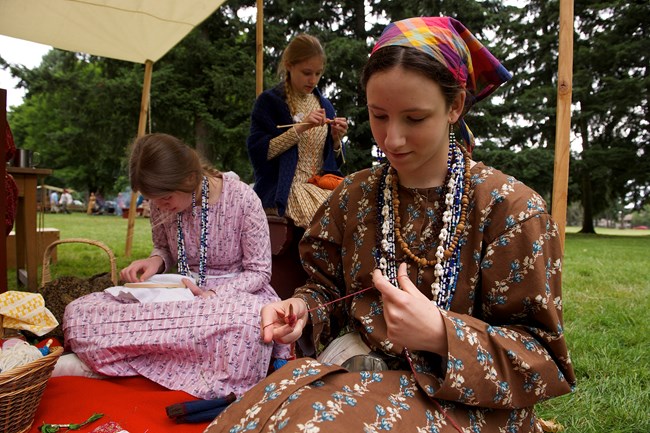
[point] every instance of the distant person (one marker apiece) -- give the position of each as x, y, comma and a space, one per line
65, 201
139, 201
284, 159
54, 202
120, 204
91, 204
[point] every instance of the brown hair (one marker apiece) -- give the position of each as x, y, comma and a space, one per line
412, 59
161, 163
302, 47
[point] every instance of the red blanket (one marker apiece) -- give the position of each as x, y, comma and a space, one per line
136, 403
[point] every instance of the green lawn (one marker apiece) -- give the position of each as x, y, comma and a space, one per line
606, 286
606, 303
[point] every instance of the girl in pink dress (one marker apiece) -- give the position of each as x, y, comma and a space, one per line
205, 225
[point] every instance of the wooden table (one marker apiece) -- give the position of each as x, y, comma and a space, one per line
25, 225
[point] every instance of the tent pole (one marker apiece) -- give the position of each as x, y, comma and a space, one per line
259, 48
142, 124
563, 120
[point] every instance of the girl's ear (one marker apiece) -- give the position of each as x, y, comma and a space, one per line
192, 180
456, 109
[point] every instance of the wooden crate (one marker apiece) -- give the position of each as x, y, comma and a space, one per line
44, 237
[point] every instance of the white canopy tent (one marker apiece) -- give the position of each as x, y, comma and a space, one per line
131, 30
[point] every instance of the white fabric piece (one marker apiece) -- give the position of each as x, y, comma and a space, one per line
154, 294
70, 365
344, 348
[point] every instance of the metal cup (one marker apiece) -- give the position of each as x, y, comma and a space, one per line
25, 158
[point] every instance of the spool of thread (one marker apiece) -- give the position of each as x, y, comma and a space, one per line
19, 354
11, 342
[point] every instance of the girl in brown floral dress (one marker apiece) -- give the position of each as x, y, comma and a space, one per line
442, 274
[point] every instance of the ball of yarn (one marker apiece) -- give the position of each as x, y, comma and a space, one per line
20, 354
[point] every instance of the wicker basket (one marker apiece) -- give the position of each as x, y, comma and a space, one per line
46, 276
21, 389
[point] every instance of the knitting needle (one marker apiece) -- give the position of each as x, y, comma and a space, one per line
289, 125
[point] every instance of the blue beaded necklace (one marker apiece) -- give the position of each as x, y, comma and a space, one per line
183, 267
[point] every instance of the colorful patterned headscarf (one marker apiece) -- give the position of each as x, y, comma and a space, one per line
448, 41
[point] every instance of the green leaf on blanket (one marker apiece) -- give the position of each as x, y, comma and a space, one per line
53, 428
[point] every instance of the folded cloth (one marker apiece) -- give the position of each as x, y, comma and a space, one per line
152, 293
26, 311
205, 416
199, 410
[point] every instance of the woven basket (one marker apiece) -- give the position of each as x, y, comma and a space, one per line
21, 389
46, 277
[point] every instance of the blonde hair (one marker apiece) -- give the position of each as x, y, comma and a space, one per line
302, 47
161, 163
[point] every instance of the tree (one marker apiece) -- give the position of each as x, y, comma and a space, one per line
77, 118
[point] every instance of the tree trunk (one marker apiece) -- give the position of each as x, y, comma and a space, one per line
585, 182
587, 214
201, 136
359, 10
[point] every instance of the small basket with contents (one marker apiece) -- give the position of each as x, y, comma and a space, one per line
22, 381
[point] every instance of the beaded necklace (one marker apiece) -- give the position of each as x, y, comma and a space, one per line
446, 264
183, 267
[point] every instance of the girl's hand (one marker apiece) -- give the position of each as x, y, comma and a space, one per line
196, 290
141, 270
283, 321
412, 320
314, 119
339, 127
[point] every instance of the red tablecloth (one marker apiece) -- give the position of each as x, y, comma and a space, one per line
136, 403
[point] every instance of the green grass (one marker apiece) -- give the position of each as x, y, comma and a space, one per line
606, 288
606, 285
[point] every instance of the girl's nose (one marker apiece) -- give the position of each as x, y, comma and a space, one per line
395, 138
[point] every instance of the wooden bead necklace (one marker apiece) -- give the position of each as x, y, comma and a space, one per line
422, 261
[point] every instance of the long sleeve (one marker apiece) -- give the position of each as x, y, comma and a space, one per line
515, 354
269, 111
245, 221
282, 143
